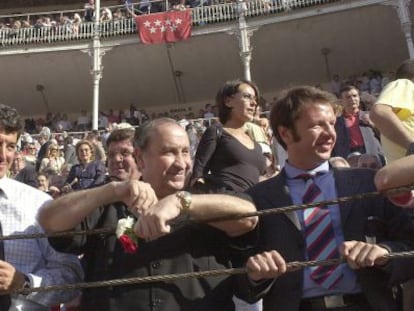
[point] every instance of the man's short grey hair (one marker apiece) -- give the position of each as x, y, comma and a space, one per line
143, 133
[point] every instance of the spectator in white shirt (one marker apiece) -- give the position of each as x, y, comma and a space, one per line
28, 262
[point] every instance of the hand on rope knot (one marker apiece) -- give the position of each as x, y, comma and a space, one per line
137, 195
10, 278
154, 221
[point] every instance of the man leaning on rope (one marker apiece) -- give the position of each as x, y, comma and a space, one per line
303, 122
163, 156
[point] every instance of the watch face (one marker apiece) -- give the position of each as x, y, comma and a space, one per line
185, 199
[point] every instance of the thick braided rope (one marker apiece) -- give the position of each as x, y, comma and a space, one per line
291, 208
271, 211
212, 273
181, 276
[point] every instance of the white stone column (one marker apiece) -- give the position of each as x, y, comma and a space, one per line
96, 65
243, 35
402, 8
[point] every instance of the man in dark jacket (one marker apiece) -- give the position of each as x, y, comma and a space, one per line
163, 157
303, 122
354, 129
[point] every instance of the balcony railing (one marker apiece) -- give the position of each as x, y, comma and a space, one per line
201, 15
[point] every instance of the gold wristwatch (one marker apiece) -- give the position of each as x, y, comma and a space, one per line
185, 200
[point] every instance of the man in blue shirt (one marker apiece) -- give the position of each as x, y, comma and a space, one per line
303, 122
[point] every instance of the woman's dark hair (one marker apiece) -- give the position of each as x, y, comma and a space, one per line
227, 90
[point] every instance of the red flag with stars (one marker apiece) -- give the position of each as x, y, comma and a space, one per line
164, 27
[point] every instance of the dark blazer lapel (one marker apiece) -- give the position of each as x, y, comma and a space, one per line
347, 186
281, 198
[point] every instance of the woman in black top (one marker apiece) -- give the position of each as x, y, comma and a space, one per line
227, 158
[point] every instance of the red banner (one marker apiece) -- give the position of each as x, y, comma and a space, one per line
164, 27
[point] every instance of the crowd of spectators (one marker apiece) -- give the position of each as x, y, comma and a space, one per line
368, 84
59, 156
50, 144
53, 146
61, 23
69, 22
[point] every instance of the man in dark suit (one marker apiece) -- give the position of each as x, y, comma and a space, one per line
354, 129
303, 122
163, 158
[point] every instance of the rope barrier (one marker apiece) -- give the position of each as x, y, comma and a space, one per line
291, 208
181, 276
271, 211
211, 273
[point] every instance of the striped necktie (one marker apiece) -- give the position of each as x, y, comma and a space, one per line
320, 236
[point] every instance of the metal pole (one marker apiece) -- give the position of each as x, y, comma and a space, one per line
325, 52
244, 40
97, 68
405, 20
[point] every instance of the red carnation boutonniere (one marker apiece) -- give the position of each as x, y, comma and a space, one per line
126, 235
405, 199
